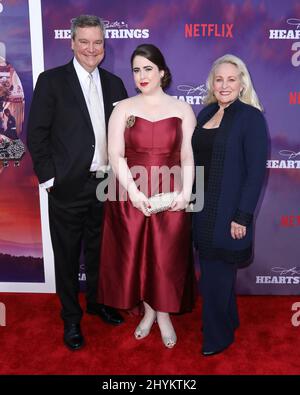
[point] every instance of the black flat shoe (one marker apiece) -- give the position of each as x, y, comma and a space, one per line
73, 338
106, 313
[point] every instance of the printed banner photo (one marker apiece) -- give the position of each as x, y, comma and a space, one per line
21, 250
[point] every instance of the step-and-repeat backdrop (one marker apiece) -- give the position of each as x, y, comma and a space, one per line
35, 35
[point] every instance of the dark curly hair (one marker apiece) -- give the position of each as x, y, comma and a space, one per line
152, 53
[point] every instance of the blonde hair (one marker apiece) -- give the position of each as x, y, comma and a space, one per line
247, 95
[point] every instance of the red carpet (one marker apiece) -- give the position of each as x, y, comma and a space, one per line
31, 342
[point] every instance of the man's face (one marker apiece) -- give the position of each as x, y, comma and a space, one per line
88, 47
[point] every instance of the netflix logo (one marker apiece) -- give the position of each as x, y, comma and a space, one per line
223, 30
294, 97
290, 221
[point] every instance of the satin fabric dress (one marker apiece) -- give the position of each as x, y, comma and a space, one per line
148, 258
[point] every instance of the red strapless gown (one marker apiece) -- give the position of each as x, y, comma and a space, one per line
148, 258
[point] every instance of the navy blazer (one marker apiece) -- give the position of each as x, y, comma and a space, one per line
237, 172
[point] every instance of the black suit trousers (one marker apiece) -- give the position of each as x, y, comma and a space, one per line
74, 225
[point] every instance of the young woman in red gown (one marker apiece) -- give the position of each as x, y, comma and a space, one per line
148, 258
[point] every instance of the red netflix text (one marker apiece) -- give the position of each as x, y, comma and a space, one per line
208, 30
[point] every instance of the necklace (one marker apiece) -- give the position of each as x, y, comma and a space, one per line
217, 118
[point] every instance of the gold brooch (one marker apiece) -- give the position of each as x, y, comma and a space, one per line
130, 121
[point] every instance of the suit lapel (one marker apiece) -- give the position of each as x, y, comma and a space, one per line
77, 91
106, 95
211, 111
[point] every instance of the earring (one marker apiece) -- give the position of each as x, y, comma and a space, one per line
161, 80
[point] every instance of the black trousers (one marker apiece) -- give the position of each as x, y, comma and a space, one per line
75, 225
219, 308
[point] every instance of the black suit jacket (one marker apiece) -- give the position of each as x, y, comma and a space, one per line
60, 135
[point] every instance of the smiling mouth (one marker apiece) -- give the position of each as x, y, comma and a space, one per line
144, 83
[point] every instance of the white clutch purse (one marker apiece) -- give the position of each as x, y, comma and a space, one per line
161, 202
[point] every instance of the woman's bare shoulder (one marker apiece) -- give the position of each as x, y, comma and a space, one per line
182, 108
123, 106
180, 104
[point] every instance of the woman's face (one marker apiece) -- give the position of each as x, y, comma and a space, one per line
147, 76
226, 83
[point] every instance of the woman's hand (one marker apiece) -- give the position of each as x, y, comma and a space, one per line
237, 231
139, 201
179, 203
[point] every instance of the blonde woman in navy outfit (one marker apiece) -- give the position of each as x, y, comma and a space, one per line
230, 141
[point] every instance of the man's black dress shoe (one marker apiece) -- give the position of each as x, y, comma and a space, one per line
106, 313
214, 352
73, 338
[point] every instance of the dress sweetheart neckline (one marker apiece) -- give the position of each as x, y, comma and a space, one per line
159, 120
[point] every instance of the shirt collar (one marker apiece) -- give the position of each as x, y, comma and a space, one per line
82, 73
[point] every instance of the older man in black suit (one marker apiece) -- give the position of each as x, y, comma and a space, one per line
67, 140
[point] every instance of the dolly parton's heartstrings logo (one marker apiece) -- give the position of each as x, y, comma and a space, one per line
192, 94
